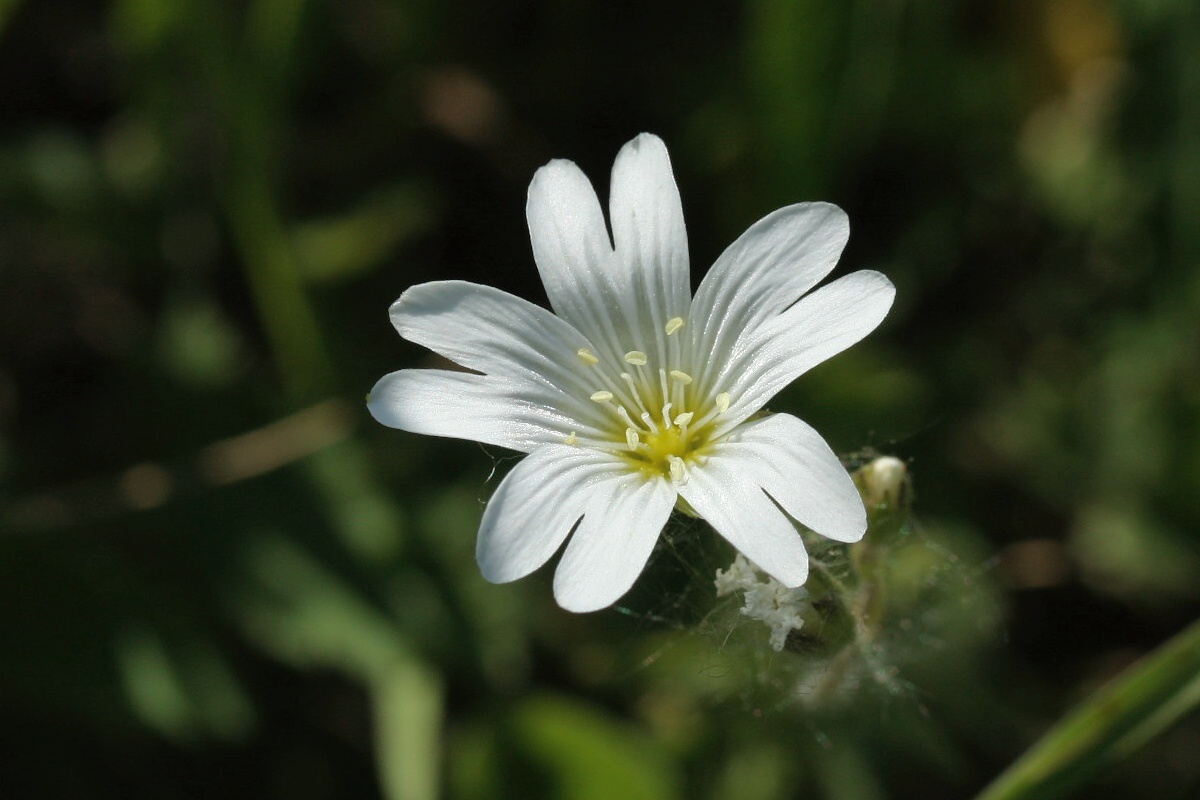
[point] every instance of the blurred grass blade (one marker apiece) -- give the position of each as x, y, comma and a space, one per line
1119, 718
408, 717
312, 618
592, 756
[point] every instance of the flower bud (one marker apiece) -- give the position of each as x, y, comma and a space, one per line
883, 482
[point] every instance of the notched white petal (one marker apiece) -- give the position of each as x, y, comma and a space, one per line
534, 508
649, 236
460, 405
818, 327
570, 244
740, 511
794, 465
613, 542
775, 261
488, 330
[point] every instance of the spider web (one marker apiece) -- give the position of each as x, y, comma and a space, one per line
675, 605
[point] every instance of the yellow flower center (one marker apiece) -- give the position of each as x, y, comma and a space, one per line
656, 418
668, 451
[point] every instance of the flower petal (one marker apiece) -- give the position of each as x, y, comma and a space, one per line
461, 405
625, 515
791, 461
819, 326
722, 493
494, 332
573, 253
534, 508
649, 234
775, 261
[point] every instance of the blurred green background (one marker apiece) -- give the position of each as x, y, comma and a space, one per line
220, 578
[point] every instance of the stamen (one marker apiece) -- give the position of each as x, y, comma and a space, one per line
571, 439
678, 469
587, 356
646, 418
681, 377
631, 438
722, 401
602, 396
636, 357
667, 416
673, 324
683, 419
633, 390
624, 415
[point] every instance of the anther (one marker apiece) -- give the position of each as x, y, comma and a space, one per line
571, 439
587, 356
631, 438
722, 401
602, 396
636, 357
673, 324
683, 419
678, 469
681, 377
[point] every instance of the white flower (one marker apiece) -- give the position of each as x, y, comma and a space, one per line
635, 396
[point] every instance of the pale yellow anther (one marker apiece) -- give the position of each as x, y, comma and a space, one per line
678, 469
673, 324
684, 418
722, 401
587, 356
636, 357
631, 438
571, 439
602, 396
681, 377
